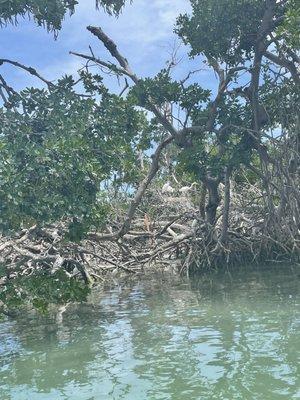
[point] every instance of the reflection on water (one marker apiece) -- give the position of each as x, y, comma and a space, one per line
221, 336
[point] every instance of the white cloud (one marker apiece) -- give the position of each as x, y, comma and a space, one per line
170, 9
66, 67
142, 30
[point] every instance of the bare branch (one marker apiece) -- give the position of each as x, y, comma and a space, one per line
110, 66
182, 82
8, 88
110, 45
2, 95
124, 88
31, 70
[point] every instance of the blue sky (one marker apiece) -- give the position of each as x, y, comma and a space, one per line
143, 32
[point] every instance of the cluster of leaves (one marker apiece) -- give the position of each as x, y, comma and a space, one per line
112, 6
289, 29
282, 98
163, 89
41, 290
57, 148
48, 13
225, 30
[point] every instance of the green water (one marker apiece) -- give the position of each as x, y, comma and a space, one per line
221, 336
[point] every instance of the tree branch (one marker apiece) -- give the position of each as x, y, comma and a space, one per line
8, 88
154, 167
126, 69
110, 66
283, 62
111, 46
223, 83
31, 70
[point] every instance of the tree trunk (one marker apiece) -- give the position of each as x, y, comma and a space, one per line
213, 200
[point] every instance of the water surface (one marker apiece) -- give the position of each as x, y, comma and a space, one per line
228, 335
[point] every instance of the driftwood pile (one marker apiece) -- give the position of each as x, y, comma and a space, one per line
167, 233
148, 241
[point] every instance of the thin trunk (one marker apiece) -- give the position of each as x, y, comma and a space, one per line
202, 201
225, 221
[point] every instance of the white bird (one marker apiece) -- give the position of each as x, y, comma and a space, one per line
167, 188
186, 189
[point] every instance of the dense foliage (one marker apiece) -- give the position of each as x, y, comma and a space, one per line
56, 150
